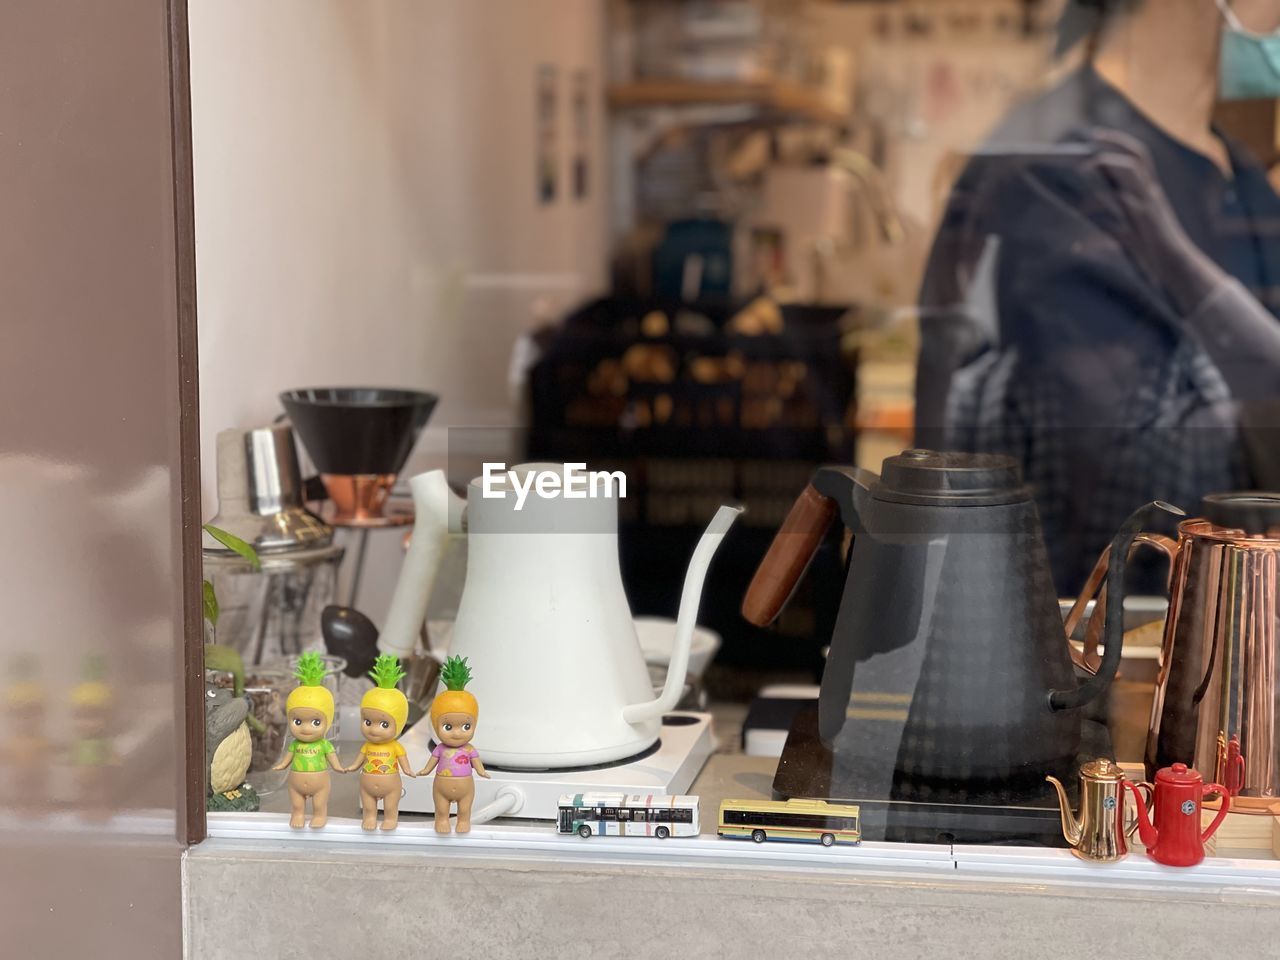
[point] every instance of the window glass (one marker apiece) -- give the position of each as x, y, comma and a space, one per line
958, 298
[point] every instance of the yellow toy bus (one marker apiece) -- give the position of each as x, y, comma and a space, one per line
814, 821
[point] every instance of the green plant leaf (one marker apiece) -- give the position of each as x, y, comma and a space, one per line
210, 604
234, 543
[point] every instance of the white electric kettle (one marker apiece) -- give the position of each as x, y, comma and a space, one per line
543, 621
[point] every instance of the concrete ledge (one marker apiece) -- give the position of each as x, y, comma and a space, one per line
287, 899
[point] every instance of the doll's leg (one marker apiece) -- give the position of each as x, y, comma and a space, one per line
320, 806
464, 808
391, 808
368, 809
441, 801
297, 808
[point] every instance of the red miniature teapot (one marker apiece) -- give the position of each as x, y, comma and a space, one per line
1176, 839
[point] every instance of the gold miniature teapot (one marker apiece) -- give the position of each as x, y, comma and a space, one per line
1100, 834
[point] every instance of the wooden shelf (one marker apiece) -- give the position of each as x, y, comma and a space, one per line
779, 97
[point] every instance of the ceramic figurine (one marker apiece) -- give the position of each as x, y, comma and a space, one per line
453, 717
226, 660
228, 751
383, 712
309, 715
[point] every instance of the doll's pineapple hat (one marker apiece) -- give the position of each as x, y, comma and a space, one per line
455, 675
386, 673
310, 691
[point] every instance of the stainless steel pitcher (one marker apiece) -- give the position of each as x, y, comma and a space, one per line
1215, 705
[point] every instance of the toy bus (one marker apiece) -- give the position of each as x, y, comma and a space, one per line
815, 821
628, 815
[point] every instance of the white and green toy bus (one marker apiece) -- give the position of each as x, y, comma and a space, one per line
628, 815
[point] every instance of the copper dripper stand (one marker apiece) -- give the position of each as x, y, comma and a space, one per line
364, 500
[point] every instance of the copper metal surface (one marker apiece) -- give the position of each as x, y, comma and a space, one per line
1215, 701
396, 512
358, 499
1088, 658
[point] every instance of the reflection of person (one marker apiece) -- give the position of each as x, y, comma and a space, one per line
1100, 298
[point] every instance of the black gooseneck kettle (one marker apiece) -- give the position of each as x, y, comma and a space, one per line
948, 663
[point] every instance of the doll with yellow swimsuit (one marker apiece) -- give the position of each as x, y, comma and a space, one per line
309, 714
383, 712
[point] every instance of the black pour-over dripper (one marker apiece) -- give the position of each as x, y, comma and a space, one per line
358, 430
359, 439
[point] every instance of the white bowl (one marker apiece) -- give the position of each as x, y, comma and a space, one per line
658, 635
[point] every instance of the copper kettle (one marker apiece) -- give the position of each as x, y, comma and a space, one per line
1215, 704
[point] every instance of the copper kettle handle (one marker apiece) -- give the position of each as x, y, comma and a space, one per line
1088, 659
1113, 628
832, 490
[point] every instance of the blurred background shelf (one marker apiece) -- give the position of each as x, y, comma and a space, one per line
782, 98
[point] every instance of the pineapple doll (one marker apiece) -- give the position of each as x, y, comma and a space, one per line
383, 712
453, 717
309, 714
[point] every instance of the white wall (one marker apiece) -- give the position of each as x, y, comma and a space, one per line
366, 205
365, 197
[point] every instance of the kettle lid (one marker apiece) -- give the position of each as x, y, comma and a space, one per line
1254, 512
958, 479
1101, 769
1178, 773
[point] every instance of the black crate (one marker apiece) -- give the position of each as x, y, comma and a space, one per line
604, 387
697, 420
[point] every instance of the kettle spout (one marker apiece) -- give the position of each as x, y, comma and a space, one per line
1071, 827
438, 512
686, 620
1147, 832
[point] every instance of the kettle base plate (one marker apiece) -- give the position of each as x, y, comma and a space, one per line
669, 767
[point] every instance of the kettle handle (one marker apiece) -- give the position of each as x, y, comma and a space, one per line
832, 490
1096, 585
1221, 791
1149, 803
439, 512
1113, 628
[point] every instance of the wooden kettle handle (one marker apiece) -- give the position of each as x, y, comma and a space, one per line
789, 555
